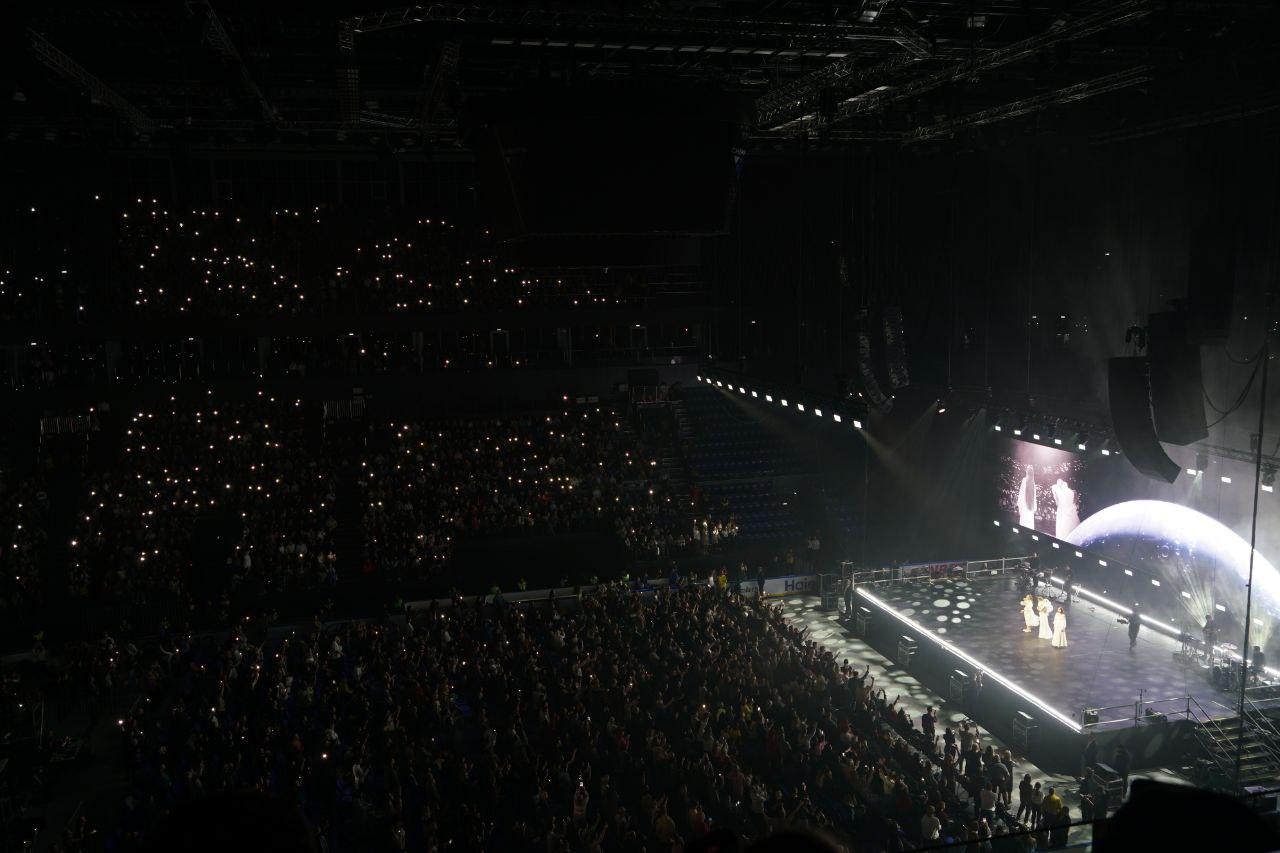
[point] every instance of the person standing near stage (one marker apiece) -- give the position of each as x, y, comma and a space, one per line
1029, 614
1060, 629
1134, 624
1120, 763
1090, 757
1044, 608
1024, 797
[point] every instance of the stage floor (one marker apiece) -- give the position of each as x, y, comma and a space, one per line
1096, 670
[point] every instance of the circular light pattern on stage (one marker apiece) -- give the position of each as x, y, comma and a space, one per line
941, 602
955, 619
943, 618
964, 605
908, 611
942, 630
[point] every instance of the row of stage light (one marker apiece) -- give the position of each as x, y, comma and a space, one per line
1109, 447
781, 401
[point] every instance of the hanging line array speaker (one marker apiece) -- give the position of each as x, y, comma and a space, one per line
1129, 392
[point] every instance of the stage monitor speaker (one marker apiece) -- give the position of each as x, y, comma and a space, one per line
1177, 395
1129, 392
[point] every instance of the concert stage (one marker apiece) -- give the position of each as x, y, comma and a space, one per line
964, 625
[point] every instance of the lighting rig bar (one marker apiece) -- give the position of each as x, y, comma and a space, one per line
830, 36
1026, 106
779, 398
60, 63
872, 101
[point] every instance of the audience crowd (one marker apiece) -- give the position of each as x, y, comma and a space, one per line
206, 499
192, 472
628, 721
140, 257
427, 484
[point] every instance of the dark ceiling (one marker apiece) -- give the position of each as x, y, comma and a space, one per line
229, 72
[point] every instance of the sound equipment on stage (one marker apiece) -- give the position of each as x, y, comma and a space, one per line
960, 684
906, 650
830, 600
1023, 730
1112, 781
1261, 799
1177, 390
1090, 717
1129, 393
862, 621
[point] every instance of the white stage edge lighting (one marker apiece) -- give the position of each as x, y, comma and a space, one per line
975, 663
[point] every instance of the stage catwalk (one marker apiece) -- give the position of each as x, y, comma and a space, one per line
983, 617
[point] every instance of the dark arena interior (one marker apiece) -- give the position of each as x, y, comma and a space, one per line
679, 425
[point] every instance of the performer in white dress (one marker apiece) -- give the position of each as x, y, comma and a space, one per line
1027, 500
1067, 517
1046, 629
1060, 629
1029, 614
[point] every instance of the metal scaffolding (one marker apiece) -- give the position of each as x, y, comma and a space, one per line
58, 62
217, 37
1077, 92
876, 99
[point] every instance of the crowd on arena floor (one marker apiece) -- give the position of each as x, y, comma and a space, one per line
632, 721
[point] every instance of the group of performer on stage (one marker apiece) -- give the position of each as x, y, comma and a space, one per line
1039, 614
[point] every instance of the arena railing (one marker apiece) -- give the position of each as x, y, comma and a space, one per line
937, 571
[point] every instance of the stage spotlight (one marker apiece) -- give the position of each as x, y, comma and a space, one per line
837, 418
942, 410
1155, 582
783, 401
1057, 441
1102, 562
799, 407
768, 398
1079, 553
857, 424
1226, 480
1055, 544
997, 428
1192, 471
1017, 431
1126, 571
754, 394
1082, 446
1186, 594
818, 412
996, 522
